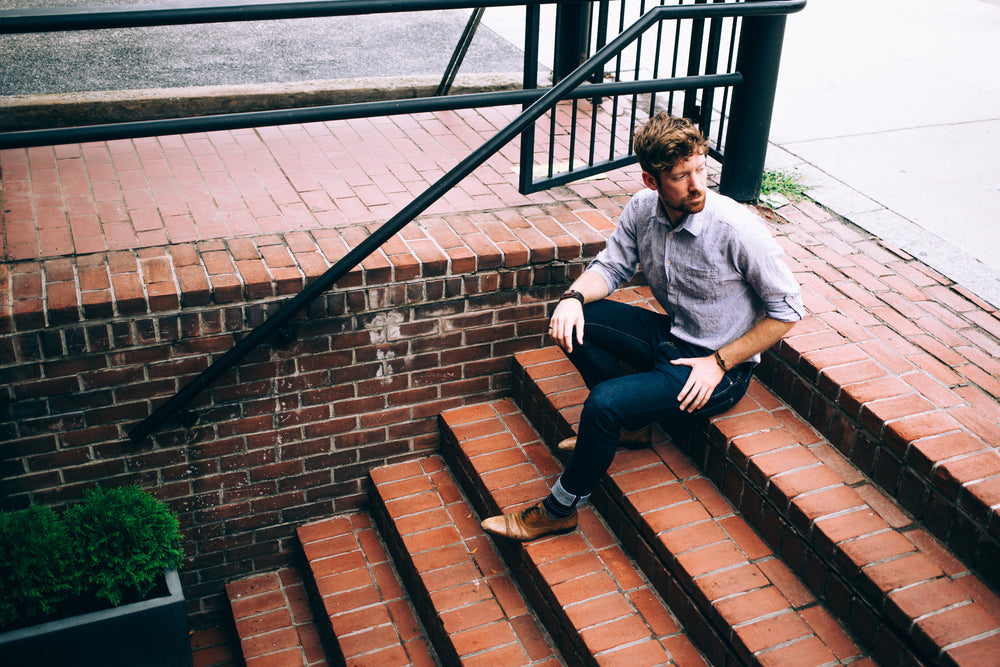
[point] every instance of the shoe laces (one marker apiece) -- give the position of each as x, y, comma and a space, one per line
534, 509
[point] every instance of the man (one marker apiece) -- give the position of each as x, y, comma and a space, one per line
728, 296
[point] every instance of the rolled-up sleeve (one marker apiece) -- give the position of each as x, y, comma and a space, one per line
763, 263
619, 261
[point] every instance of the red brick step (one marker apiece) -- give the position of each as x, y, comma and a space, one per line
368, 617
903, 596
274, 622
470, 606
761, 615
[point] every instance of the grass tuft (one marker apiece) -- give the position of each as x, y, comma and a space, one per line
778, 188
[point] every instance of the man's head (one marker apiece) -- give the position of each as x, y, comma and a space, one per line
672, 154
666, 140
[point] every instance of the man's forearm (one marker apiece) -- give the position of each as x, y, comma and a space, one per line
765, 333
591, 285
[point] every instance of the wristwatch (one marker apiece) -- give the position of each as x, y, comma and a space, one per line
572, 294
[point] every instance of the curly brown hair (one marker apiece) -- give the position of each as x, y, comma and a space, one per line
666, 140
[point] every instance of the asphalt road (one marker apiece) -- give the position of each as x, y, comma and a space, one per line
382, 45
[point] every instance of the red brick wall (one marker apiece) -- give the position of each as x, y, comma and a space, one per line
288, 435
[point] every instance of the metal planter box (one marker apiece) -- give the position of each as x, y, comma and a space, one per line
151, 633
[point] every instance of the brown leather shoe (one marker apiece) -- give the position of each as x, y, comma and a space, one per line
632, 439
528, 524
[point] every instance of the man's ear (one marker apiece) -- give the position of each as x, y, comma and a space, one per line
650, 181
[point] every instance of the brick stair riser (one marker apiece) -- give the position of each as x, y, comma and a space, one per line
813, 637
843, 584
411, 581
958, 517
323, 625
710, 631
854, 594
419, 595
867, 625
361, 610
466, 599
274, 622
550, 613
864, 605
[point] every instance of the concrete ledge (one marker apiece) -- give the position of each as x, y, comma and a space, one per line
33, 112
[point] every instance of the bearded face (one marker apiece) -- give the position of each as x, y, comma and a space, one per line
683, 190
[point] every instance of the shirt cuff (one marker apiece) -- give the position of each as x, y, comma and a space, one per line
788, 309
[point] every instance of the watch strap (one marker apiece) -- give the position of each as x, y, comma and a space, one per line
572, 294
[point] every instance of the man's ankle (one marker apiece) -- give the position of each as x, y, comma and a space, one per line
555, 509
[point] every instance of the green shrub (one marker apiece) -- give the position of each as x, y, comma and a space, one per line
124, 539
111, 547
35, 575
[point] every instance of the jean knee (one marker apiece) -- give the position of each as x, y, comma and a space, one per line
603, 406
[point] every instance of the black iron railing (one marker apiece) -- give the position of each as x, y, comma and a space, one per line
701, 55
752, 82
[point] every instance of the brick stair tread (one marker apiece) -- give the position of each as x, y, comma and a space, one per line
587, 570
911, 401
470, 606
762, 611
273, 620
369, 618
870, 549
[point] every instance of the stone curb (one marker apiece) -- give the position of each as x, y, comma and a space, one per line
33, 112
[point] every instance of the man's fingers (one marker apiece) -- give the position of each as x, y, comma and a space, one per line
701, 382
562, 332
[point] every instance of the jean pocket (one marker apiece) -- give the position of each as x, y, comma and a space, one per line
726, 395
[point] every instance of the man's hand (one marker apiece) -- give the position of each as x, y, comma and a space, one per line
705, 377
567, 319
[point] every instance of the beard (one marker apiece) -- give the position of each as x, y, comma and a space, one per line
690, 204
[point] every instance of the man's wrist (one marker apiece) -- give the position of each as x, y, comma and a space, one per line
572, 294
721, 362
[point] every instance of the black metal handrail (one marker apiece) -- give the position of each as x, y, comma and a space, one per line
186, 12
359, 253
272, 117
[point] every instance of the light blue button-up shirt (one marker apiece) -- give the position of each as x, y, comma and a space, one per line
721, 270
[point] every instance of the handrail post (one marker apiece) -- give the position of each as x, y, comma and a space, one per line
750, 113
572, 38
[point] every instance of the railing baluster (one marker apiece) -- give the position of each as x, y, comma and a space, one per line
532, 30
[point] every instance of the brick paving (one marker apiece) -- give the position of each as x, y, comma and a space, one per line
145, 193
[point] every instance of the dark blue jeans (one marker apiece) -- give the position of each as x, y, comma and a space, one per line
617, 333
